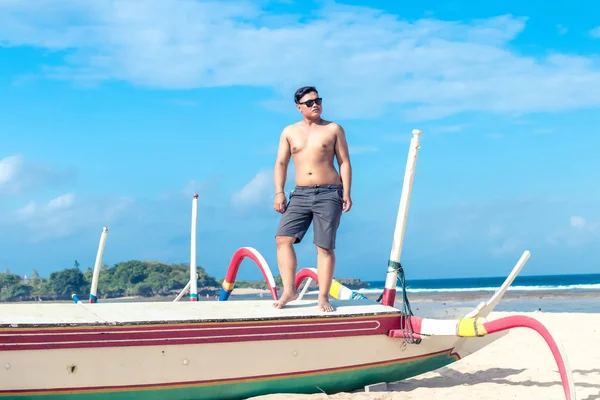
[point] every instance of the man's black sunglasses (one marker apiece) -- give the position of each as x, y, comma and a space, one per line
309, 103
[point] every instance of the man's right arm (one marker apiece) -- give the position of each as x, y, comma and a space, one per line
281, 165
282, 161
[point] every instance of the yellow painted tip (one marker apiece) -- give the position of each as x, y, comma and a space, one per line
471, 327
335, 289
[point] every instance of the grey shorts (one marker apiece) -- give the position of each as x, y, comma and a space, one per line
319, 204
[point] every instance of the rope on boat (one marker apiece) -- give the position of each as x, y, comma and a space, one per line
406, 309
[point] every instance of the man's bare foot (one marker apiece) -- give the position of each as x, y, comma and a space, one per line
285, 298
324, 305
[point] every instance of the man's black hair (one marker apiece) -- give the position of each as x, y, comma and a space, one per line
304, 91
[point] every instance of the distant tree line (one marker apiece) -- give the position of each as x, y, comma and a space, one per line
129, 278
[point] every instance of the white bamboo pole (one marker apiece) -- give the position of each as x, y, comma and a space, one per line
193, 273
305, 289
389, 293
185, 289
97, 266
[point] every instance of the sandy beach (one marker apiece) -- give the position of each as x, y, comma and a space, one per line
517, 366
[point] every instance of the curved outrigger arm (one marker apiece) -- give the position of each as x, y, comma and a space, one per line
337, 290
234, 265
475, 325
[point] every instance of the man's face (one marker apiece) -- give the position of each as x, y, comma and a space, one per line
310, 105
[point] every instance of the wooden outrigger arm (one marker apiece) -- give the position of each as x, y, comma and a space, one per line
475, 325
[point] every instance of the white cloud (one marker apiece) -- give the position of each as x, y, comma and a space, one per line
562, 29
28, 211
18, 176
582, 231
508, 246
425, 69
255, 192
506, 227
495, 230
9, 167
588, 227
31, 210
595, 33
578, 222
61, 202
66, 215
259, 191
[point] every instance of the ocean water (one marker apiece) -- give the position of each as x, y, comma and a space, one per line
457, 296
444, 297
548, 293
541, 283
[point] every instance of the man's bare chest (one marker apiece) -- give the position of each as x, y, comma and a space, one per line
312, 142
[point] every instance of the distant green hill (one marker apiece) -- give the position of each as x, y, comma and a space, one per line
129, 278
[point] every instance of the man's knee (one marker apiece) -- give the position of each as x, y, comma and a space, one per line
326, 251
325, 241
282, 241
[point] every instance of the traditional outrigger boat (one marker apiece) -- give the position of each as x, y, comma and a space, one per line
243, 348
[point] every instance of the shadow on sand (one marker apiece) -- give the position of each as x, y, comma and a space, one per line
448, 377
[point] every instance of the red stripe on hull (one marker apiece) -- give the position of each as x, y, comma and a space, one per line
15, 339
176, 325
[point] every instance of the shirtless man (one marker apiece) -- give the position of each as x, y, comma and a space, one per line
320, 195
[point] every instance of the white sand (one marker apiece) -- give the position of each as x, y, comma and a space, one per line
517, 366
246, 291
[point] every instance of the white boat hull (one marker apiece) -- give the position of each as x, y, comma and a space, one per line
119, 350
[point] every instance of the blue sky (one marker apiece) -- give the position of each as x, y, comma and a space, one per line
116, 113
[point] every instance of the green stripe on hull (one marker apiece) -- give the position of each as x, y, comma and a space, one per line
330, 382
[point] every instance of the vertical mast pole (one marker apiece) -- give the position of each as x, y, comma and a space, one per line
193, 276
389, 292
97, 266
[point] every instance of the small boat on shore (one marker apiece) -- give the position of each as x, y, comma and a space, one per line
239, 349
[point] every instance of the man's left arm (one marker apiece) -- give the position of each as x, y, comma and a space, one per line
343, 158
